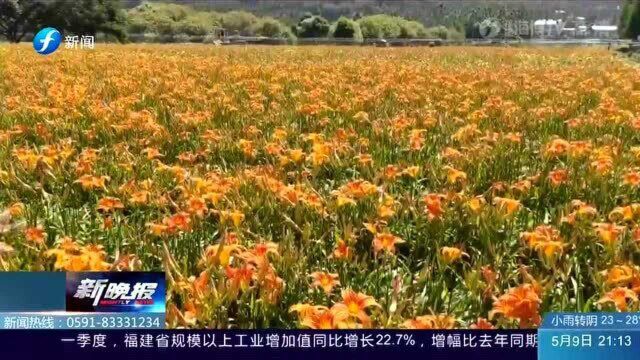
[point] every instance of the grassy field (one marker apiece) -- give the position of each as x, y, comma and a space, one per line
329, 187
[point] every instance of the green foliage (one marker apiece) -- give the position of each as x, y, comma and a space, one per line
630, 19
197, 24
157, 18
239, 21
165, 26
87, 17
80, 17
624, 17
313, 26
455, 34
380, 26
171, 11
17, 17
183, 38
390, 27
270, 27
175, 12
411, 29
138, 25
411, 280
347, 29
438, 32
167, 20
179, 22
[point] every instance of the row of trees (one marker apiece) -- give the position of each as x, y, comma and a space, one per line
172, 19
429, 12
630, 19
87, 17
90, 17
371, 27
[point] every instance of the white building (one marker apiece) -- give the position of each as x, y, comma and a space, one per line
582, 31
604, 31
547, 28
569, 32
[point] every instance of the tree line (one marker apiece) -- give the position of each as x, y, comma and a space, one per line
161, 21
630, 19
19, 18
449, 13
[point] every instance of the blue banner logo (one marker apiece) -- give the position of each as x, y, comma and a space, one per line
47, 41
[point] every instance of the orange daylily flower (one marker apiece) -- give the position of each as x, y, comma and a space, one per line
180, 221
581, 212
454, 176
476, 204
631, 178
364, 159
90, 182
386, 208
326, 319
108, 204
521, 303
320, 154
158, 229
386, 242
557, 147
355, 304
411, 171
624, 213
16, 209
152, 153
220, 254
296, 155
35, 235
451, 154
259, 254
621, 275
390, 172
507, 206
608, 232
545, 239
71, 256
197, 206
342, 250
416, 139
603, 164
358, 189
239, 278
482, 324
558, 177
489, 276
430, 322
434, 205
620, 297
451, 254
325, 280
236, 217
139, 197
306, 310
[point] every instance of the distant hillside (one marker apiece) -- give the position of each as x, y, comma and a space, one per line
429, 12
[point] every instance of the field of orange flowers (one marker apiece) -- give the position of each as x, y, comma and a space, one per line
329, 187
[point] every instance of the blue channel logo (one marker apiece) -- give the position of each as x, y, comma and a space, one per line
47, 41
